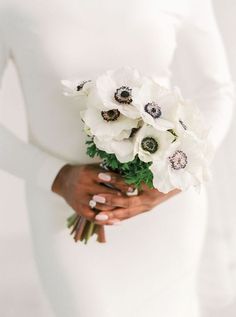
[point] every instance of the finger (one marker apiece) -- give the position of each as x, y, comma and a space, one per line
122, 214
145, 187
99, 188
120, 201
103, 207
99, 202
107, 218
86, 212
114, 221
109, 222
112, 200
163, 197
137, 205
94, 173
103, 217
116, 180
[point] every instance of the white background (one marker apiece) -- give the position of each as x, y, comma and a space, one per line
20, 291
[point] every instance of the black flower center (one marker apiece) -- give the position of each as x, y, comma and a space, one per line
153, 109
178, 160
111, 115
81, 85
133, 132
173, 133
183, 124
149, 144
123, 95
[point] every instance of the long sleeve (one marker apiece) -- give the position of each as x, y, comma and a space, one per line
23, 159
200, 69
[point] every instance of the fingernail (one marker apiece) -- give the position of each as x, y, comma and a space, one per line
101, 217
99, 199
133, 193
130, 190
104, 177
115, 222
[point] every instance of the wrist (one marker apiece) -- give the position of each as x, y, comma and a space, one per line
60, 179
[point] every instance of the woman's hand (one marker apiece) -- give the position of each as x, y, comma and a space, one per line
132, 206
78, 184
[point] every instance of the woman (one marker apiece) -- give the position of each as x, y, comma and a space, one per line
148, 267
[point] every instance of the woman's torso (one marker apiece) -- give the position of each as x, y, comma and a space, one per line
54, 40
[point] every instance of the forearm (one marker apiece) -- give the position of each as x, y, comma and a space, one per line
27, 161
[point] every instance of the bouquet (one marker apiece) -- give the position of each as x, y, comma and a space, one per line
149, 134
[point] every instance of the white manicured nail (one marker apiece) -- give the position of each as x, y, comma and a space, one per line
101, 217
131, 189
99, 199
104, 177
133, 193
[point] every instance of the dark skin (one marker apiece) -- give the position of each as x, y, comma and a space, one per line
78, 184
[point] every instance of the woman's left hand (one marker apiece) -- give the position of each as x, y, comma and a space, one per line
127, 207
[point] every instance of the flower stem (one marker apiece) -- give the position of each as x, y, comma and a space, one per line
80, 229
89, 231
71, 220
101, 234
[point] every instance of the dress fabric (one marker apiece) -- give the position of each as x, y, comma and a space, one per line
149, 265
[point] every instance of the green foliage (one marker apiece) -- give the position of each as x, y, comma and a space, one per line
134, 172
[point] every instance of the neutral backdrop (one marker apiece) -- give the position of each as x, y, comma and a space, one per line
20, 290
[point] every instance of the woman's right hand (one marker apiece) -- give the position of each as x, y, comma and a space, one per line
78, 184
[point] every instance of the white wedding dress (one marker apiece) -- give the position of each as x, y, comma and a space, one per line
149, 265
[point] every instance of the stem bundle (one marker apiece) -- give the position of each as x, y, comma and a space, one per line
83, 229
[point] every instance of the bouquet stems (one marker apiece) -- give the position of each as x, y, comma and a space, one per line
83, 229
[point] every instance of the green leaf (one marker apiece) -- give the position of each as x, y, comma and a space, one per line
135, 172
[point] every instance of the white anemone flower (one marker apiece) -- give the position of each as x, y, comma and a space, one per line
123, 149
158, 106
76, 87
151, 144
191, 121
186, 164
107, 124
115, 90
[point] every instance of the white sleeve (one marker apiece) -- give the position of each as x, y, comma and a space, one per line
201, 70
23, 159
